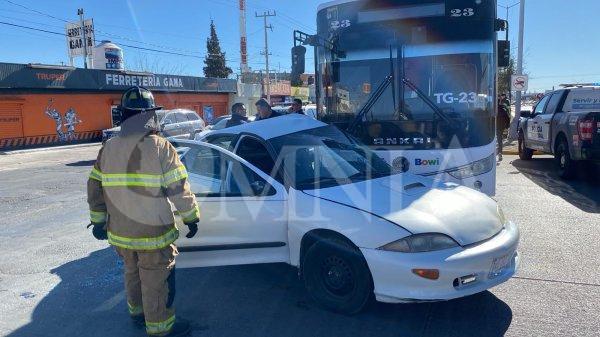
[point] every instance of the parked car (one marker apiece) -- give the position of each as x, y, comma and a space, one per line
566, 124
295, 190
179, 123
220, 124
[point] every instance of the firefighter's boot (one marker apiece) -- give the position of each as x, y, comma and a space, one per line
181, 328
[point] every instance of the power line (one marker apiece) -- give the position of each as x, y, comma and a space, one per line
101, 32
36, 11
121, 44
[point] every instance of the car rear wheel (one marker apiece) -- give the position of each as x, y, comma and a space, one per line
567, 167
336, 276
524, 152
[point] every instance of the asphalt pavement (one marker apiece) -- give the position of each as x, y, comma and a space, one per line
56, 280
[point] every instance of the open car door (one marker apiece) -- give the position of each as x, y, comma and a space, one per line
243, 211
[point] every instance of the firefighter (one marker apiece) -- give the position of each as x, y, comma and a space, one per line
136, 178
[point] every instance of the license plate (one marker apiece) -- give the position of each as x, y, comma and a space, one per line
499, 265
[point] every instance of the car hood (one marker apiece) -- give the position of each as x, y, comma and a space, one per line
413, 203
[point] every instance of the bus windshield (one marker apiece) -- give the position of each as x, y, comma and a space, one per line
455, 73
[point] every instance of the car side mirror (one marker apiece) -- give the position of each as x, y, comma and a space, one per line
526, 113
258, 187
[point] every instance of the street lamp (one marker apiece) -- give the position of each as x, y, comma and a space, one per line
507, 8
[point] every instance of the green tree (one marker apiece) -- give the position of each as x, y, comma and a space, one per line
215, 58
504, 77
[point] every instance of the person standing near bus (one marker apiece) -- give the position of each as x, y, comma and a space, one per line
296, 106
264, 110
502, 122
238, 115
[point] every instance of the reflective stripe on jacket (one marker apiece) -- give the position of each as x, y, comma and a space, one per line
136, 179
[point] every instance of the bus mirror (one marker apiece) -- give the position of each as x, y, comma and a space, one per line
503, 53
298, 60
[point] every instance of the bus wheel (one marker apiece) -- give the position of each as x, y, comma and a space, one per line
524, 153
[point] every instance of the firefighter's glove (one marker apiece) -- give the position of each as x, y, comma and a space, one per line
193, 229
99, 230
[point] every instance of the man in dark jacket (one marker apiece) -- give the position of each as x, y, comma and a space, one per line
238, 115
296, 106
502, 122
264, 110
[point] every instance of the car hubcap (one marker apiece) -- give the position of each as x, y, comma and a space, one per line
337, 275
563, 159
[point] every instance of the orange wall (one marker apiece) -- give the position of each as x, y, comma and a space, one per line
94, 110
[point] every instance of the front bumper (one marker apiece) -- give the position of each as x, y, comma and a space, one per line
395, 282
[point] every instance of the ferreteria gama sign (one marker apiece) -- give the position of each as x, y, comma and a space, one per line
22, 76
149, 82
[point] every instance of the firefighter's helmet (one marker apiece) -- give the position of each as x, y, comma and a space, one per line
138, 99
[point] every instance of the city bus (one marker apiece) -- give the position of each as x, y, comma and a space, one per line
415, 80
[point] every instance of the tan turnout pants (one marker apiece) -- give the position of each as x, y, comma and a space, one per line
150, 286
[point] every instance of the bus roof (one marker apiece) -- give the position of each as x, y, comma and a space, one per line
333, 3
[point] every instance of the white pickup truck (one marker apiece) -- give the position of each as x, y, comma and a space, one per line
566, 124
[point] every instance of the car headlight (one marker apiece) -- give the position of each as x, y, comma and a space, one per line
474, 169
419, 243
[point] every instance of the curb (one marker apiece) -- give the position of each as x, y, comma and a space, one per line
516, 152
50, 148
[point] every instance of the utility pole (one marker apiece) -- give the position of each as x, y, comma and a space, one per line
513, 126
243, 38
265, 15
85, 52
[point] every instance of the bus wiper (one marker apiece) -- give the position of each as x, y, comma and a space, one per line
428, 101
370, 102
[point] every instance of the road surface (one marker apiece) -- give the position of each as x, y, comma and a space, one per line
56, 280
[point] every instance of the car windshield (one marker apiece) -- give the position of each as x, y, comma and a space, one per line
325, 157
221, 124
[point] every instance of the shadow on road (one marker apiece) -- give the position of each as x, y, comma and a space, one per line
582, 192
82, 163
86, 302
257, 300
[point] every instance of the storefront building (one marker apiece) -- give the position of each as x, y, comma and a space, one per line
42, 105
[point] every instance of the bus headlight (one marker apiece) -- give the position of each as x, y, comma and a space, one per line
476, 168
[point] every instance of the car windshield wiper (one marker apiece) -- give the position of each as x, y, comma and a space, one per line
364, 175
319, 180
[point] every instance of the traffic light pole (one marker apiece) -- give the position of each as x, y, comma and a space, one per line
513, 126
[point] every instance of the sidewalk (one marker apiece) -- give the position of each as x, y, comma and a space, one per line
510, 147
48, 148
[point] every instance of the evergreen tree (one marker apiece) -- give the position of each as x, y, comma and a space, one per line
504, 76
215, 58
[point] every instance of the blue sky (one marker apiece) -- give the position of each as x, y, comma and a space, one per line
561, 39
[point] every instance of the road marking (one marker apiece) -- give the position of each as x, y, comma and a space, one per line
111, 302
556, 281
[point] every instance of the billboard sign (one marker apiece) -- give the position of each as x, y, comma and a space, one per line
75, 37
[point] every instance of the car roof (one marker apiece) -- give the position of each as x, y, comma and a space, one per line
274, 127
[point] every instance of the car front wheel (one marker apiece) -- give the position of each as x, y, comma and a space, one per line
336, 276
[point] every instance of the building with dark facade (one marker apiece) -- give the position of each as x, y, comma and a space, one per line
42, 104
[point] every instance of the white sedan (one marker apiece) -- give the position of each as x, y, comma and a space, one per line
292, 189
